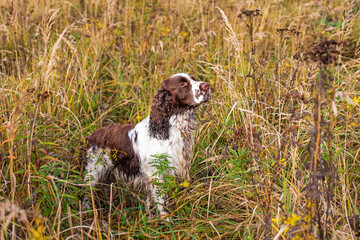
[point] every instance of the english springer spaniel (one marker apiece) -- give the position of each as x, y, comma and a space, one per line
124, 152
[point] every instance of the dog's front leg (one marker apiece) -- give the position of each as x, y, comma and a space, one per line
154, 197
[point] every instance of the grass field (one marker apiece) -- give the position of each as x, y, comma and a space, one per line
277, 146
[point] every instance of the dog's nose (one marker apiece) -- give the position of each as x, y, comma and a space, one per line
204, 86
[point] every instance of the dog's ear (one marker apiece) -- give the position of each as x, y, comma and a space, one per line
166, 84
162, 109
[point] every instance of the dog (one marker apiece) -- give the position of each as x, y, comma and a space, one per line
124, 152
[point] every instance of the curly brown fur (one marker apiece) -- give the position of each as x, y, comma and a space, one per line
161, 111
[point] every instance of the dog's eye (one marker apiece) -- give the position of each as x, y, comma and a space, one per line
183, 84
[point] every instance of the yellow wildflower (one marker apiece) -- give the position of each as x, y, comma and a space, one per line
185, 184
292, 219
38, 234
183, 34
356, 100
297, 237
307, 218
277, 219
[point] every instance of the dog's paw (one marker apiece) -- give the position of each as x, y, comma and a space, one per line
86, 204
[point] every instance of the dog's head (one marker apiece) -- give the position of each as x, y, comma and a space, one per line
186, 91
177, 94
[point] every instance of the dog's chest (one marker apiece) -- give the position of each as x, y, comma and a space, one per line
178, 147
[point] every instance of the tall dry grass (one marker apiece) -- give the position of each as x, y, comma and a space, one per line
277, 147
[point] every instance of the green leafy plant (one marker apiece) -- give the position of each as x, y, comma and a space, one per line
162, 176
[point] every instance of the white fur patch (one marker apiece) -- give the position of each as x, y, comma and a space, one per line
98, 163
185, 75
195, 88
147, 146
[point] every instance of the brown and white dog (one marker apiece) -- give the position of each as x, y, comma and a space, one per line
123, 152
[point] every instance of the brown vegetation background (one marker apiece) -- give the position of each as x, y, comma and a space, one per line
277, 147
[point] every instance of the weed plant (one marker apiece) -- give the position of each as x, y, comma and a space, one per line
276, 149
162, 176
